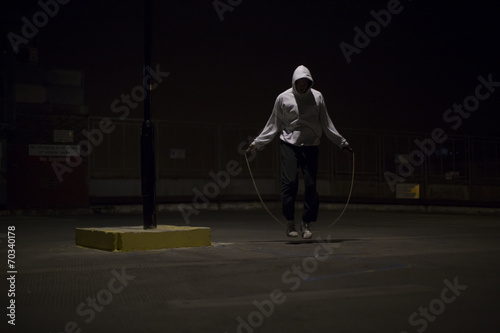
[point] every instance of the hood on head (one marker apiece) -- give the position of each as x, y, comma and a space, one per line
299, 73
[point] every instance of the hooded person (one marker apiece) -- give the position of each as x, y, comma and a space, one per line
300, 117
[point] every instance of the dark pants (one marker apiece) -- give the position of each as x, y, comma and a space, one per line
293, 158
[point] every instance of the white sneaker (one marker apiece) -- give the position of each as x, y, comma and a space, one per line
306, 230
290, 229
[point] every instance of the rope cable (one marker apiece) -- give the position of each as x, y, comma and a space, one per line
277, 220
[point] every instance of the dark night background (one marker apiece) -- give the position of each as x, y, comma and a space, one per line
230, 71
401, 245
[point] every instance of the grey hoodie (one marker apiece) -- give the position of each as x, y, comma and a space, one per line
300, 118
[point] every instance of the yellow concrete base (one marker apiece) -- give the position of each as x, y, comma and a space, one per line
137, 239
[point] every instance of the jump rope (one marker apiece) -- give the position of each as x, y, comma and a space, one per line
280, 222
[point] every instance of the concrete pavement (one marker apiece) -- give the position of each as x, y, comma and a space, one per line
372, 272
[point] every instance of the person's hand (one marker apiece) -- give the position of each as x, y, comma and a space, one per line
250, 150
348, 149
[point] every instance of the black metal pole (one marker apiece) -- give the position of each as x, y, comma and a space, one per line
148, 173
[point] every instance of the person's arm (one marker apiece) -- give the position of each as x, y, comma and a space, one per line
272, 128
330, 131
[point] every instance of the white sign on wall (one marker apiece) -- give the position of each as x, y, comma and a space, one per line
53, 150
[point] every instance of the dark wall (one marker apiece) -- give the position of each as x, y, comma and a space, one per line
427, 58
408, 73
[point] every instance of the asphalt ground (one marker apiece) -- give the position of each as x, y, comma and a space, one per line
371, 272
